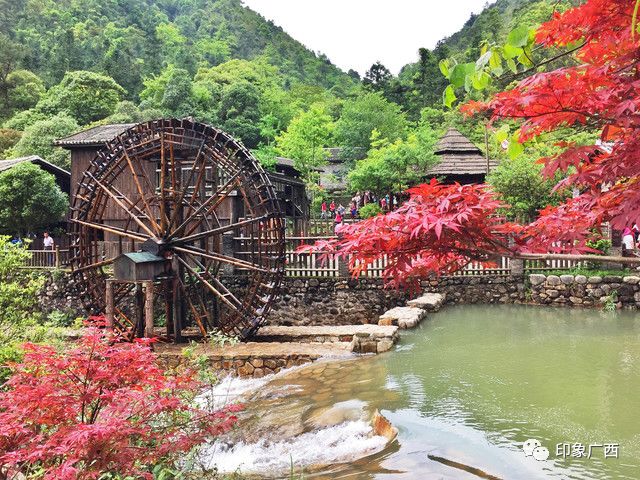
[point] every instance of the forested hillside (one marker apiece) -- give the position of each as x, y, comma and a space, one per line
130, 40
69, 64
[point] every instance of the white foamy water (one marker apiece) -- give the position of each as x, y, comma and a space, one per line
337, 444
231, 389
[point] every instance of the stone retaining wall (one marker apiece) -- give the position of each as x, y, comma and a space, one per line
579, 290
333, 301
339, 301
57, 295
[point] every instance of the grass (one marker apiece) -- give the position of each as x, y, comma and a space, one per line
587, 272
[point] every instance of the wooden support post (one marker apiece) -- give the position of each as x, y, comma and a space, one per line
148, 309
57, 256
139, 328
109, 307
177, 313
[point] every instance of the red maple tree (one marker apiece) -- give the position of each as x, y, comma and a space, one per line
99, 407
433, 233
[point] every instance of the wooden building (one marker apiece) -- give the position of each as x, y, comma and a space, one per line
286, 179
460, 160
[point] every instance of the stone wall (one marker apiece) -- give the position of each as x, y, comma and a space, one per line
340, 301
57, 295
579, 290
333, 301
478, 289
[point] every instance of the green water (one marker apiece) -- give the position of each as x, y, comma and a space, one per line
477, 381
470, 385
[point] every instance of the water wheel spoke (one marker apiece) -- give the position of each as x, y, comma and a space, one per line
208, 206
135, 175
103, 263
194, 311
185, 187
207, 284
222, 258
121, 204
217, 283
219, 230
112, 229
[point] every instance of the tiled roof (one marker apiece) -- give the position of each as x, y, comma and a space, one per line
96, 136
50, 167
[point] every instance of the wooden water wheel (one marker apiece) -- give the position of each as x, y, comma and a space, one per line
181, 191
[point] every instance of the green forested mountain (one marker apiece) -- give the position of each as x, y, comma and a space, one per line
69, 64
130, 40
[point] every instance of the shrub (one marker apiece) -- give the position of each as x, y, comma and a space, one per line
370, 210
18, 292
99, 408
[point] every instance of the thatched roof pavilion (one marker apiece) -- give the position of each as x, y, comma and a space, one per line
460, 160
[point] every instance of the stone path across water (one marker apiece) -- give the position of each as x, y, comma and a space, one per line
414, 313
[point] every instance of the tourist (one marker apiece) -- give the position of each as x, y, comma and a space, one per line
636, 232
628, 243
341, 210
354, 210
332, 209
338, 222
383, 203
48, 246
323, 209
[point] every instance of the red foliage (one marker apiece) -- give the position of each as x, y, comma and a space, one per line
442, 228
437, 230
603, 93
99, 407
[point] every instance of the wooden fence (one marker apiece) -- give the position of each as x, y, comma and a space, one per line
318, 265
47, 259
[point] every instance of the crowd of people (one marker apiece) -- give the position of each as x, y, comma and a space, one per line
333, 210
339, 212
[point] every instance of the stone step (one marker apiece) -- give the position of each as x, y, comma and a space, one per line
321, 333
431, 302
403, 317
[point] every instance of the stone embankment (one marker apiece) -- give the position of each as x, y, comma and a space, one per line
276, 348
579, 290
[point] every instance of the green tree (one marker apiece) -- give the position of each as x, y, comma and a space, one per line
8, 138
85, 96
30, 200
24, 90
239, 112
38, 140
305, 139
377, 77
395, 166
360, 117
22, 120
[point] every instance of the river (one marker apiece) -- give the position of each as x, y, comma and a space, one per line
465, 389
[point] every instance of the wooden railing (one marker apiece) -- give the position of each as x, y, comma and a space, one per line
313, 265
47, 259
